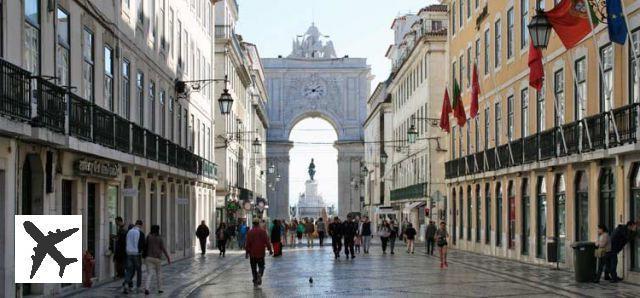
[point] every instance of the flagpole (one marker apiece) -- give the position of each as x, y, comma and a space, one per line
634, 47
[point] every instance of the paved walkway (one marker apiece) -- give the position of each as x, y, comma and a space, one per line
377, 275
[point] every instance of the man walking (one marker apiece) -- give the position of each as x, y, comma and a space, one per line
335, 231
320, 229
349, 230
430, 235
366, 234
309, 228
120, 248
134, 248
242, 234
619, 238
257, 241
202, 232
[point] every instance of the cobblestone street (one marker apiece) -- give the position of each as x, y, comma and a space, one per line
399, 275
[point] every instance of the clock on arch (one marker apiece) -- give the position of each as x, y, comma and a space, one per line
314, 89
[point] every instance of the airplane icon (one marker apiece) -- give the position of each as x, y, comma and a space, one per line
46, 246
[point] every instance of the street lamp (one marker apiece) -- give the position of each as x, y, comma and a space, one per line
540, 30
365, 171
271, 169
412, 134
383, 157
225, 101
278, 178
257, 146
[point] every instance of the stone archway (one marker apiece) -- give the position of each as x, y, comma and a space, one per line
315, 83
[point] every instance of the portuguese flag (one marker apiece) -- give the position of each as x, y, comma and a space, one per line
444, 114
570, 20
458, 107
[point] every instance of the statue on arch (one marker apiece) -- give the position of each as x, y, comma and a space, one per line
312, 169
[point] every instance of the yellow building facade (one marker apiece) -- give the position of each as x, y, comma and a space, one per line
535, 168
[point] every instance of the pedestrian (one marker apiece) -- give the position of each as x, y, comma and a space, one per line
202, 232
120, 248
221, 237
410, 233
154, 251
293, 227
603, 246
335, 231
442, 240
349, 231
403, 229
385, 233
365, 232
276, 237
231, 235
283, 232
300, 231
309, 229
134, 248
242, 234
257, 241
320, 228
430, 234
619, 238
393, 235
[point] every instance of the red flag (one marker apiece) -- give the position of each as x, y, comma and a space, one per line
458, 107
446, 110
570, 20
536, 71
475, 92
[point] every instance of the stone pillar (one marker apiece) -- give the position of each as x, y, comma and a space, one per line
278, 193
350, 154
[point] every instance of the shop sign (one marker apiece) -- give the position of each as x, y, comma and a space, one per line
130, 192
96, 167
182, 201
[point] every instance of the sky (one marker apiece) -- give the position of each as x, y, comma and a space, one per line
358, 28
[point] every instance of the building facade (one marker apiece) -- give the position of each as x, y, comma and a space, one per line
536, 168
414, 91
242, 161
91, 122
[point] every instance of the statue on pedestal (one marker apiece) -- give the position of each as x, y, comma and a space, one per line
312, 169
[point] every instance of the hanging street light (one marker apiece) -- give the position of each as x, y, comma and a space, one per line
257, 146
278, 178
539, 30
383, 157
225, 101
412, 134
365, 171
272, 169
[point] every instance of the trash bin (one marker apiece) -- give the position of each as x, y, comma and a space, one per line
584, 260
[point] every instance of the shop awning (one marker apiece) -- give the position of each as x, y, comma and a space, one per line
409, 206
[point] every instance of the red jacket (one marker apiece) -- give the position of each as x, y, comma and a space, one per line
257, 241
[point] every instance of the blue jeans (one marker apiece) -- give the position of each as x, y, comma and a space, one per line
613, 264
241, 240
134, 266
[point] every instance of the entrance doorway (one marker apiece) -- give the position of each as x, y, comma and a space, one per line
92, 217
32, 186
607, 198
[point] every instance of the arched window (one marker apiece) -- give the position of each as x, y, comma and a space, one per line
461, 201
469, 208
454, 215
498, 214
541, 216
487, 213
559, 215
526, 216
635, 213
512, 214
607, 198
582, 206
478, 213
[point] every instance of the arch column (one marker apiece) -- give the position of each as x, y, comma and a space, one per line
350, 154
278, 195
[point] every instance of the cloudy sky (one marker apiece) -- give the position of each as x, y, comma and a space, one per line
358, 28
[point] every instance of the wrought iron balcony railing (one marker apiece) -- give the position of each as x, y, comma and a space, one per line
51, 105
15, 91
79, 117
137, 139
123, 134
103, 127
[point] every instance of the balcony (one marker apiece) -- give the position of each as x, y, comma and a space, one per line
589, 134
15, 92
103, 127
51, 106
410, 192
162, 150
151, 144
79, 117
123, 134
137, 139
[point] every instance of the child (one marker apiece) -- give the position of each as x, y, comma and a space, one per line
357, 242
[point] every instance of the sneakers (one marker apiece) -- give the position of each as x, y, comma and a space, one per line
392, 253
146, 292
259, 280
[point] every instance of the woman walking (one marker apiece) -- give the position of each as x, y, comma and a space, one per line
300, 231
385, 233
393, 235
603, 247
155, 249
411, 237
293, 226
442, 241
276, 237
221, 237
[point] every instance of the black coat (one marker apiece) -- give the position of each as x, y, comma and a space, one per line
349, 229
619, 238
120, 252
275, 234
366, 228
335, 230
202, 232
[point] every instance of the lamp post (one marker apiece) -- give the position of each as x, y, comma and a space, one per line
539, 30
383, 157
412, 134
257, 146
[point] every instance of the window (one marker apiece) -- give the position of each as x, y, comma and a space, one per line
486, 127
541, 217
510, 33
171, 119
524, 115
152, 104
436, 25
477, 58
163, 38
498, 214
140, 7
171, 32
469, 212
108, 77
524, 21
478, 213
498, 123
87, 65
607, 198
634, 74
510, 118
179, 120
497, 43
126, 88
186, 52
487, 48
162, 114
526, 216
179, 44
511, 215
582, 206
469, 67
153, 22
635, 213
453, 142
140, 89
540, 110
453, 72
559, 215
558, 91
469, 8
606, 78
487, 214
453, 17
477, 136
461, 63
454, 216
468, 136
461, 200
581, 89
31, 54
63, 46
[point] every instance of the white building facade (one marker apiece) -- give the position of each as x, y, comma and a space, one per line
91, 122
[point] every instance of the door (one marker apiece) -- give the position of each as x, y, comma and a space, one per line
92, 217
607, 198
